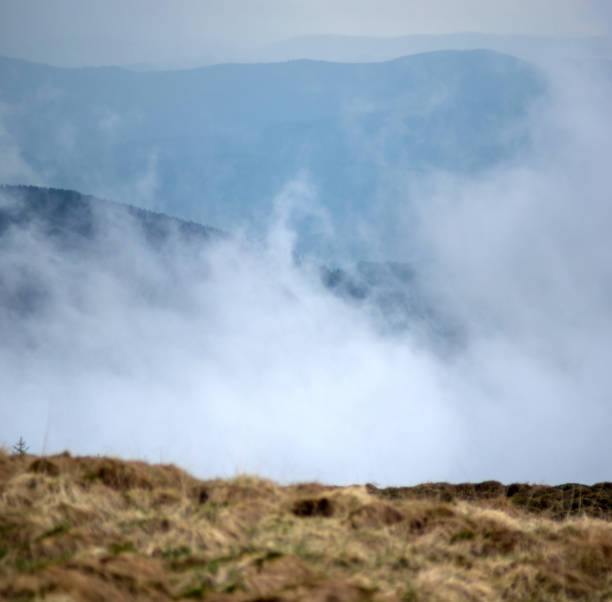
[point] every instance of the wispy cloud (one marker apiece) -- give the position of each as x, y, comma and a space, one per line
13, 166
235, 357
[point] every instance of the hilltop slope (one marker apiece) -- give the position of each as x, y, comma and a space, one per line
94, 528
70, 214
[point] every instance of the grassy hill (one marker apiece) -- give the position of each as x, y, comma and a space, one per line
94, 528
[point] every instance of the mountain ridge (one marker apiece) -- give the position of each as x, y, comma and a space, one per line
18, 60
57, 206
218, 144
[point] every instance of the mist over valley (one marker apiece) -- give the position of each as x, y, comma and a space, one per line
394, 271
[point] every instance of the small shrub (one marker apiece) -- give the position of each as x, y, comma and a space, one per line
20, 448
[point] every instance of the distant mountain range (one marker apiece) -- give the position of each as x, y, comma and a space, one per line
217, 144
364, 48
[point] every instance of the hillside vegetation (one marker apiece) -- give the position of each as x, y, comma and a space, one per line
94, 528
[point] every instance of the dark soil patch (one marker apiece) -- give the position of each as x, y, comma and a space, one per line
558, 502
313, 507
44, 466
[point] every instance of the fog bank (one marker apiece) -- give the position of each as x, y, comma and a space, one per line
234, 357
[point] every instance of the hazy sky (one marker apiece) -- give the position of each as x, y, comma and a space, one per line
74, 32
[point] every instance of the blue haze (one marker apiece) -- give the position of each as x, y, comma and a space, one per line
482, 352
218, 144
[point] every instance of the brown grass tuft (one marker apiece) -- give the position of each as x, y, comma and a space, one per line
91, 528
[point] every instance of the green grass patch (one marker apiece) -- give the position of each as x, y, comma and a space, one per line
211, 510
234, 582
464, 535
409, 596
119, 548
200, 591
6, 529
57, 530
270, 555
174, 553
29, 564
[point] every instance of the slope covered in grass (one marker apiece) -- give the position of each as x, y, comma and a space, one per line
93, 528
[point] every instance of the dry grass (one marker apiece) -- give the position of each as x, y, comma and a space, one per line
104, 529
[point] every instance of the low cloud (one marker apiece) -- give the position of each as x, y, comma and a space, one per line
13, 166
234, 357
227, 359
